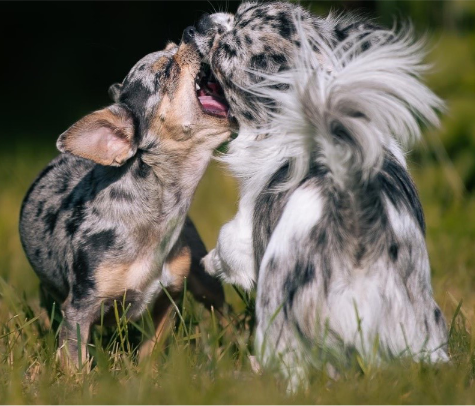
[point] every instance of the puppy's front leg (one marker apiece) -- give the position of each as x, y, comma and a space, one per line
233, 257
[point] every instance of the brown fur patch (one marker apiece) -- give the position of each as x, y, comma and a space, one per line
111, 280
160, 64
179, 268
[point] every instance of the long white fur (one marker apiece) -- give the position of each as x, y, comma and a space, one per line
383, 83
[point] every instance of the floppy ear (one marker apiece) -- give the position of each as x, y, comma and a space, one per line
105, 136
114, 92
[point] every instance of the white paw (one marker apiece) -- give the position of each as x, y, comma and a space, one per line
209, 262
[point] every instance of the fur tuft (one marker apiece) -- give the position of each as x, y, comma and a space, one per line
347, 104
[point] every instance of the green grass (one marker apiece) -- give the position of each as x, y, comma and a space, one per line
202, 362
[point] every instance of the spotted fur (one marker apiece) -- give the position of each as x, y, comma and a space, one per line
330, 228
107, 219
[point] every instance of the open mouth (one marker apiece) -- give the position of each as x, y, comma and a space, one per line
210, 94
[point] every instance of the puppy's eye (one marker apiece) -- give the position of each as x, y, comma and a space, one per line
220, 30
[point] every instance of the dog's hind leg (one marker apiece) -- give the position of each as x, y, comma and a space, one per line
161, 319
185, 262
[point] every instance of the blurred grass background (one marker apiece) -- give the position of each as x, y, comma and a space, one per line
59, 61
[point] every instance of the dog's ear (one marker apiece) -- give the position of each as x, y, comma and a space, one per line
105, 136
170, 45
114, 92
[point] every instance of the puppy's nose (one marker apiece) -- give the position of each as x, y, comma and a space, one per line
188, 34
204, 24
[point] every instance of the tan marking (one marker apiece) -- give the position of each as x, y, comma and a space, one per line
111, 280
160, 64
114, 280
142, 272
179, 268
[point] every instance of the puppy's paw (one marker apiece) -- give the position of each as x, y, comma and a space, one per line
211, 263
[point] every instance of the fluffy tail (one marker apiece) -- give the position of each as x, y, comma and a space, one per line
352, 101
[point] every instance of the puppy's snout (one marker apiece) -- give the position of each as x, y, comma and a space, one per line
204, 24
188, 34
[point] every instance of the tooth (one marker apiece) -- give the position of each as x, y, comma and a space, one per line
197, 86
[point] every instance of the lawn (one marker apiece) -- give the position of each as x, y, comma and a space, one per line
202, 361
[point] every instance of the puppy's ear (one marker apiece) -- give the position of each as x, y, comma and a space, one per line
114, 92
105, 136
170, 45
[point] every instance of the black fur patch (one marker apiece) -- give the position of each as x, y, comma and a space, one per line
39, 209
82, 272
278, 58
88, 257
135, 95
50, 219
228, 50
393, 252
248, 115
142, 170
102, 241
244, 23
399, 188
259, 61
120, 194
267, 211
286, 26
76, 218
302, 274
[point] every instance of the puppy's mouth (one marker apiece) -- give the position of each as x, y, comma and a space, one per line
210, 94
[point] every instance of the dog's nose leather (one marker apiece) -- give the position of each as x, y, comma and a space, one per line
188, 34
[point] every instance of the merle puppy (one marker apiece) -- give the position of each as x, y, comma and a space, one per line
330, 228
106, 220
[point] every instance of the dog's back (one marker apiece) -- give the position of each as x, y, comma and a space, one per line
42, 221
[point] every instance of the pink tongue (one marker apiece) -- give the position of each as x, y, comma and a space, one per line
214, 106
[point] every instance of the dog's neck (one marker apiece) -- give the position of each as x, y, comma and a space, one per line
177, 174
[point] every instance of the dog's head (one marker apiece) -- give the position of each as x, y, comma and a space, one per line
260, 39
157, 106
